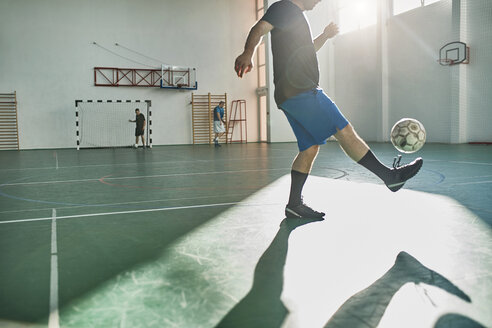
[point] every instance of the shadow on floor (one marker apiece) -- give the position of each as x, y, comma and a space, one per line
262, 306
366, 308
454, 320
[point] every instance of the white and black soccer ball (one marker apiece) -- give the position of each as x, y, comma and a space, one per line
408, 135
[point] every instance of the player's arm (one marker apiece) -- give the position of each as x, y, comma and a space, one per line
329, 32
144, 123
244, 62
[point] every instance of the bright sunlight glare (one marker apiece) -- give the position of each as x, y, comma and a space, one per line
357, 14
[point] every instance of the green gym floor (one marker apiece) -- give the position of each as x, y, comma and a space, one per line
195, 236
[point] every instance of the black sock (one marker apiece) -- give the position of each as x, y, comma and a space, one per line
297, 182
370, 162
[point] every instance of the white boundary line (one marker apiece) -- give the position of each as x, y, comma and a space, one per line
470, 183
54, 318
125, 203
140, 177
458, 162
122, 212
56, 160
153, 163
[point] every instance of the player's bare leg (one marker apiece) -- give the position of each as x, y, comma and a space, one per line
304, 160
357, 149
143, 140
351, 143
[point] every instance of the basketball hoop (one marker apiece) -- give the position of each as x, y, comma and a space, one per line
446, 62
454, 53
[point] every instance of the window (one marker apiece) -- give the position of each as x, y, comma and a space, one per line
261, 51
357, 14
261, 65
401, 6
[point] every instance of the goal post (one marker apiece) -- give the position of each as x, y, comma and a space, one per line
105, 123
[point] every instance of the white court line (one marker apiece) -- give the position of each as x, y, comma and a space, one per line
140, 177
469, 183
475, 163
123, 212
126, 203
456, 162
472, 177
54, 318
154, 163
56, 160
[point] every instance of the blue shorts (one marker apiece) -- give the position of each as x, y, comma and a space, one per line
313, 117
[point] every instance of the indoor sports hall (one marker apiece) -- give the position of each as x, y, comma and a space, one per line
101, 226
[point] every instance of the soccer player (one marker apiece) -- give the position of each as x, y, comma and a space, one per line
219, 122
140, 127
310, 112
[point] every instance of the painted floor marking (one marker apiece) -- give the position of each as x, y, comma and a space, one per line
153, 163
125, 212
54, 318
127, 203
469, 183
141, 177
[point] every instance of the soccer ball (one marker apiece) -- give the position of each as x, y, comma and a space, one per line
408, 135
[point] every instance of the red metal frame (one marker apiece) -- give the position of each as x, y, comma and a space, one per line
128, 77
237, 106
138, 77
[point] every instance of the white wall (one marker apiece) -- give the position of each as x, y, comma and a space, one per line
357, 80
418, 86
452, 102
47, 56
478, 84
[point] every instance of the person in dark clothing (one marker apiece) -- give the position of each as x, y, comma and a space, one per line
140, 127
310, 112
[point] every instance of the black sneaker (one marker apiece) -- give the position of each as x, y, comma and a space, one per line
400, 174
302, 211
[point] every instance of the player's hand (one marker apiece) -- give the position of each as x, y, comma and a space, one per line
331, 30
243, 64
129, 120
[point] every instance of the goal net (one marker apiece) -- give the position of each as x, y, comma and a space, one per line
105, 124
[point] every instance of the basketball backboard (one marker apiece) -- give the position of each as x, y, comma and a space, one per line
454, 53
175, 77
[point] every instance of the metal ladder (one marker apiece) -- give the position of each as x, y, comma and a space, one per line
237, 117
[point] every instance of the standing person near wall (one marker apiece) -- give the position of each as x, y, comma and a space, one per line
310, 112
140, 127
219, 123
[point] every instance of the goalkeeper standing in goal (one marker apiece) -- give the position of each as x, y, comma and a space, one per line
140, 128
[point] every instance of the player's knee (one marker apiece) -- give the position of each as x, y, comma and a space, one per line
311, 151
346, 133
